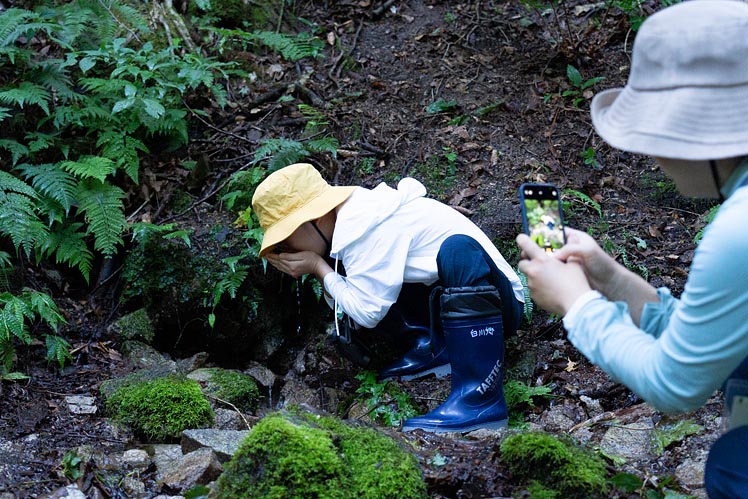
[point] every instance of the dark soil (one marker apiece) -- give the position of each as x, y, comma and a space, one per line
385, 66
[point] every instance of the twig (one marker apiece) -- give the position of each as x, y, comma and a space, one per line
249, 427
213, 127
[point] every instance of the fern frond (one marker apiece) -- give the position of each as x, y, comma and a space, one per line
43, 306
229, 283
280, 152
53, 181
16, 149
27, 93
123, 149
58, 349
20, 222
69, 247
90, 167
324, 144
10, 183
10, 25
4, 112
13, 316
102, 207
39, 141
291, 48
7, 353
52, 75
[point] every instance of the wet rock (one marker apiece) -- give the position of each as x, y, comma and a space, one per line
556, 419
690, 473
165, 456
262, 375
147, 357
197, 361
201, 375
223, 442
228, 419
296, 391
631, 441
7, 495
196, 468
136, 458
69, 492
592, 405
79, 404
133, 487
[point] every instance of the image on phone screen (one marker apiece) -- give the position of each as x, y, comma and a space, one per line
542, 215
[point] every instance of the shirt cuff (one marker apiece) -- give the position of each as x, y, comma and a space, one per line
570, 318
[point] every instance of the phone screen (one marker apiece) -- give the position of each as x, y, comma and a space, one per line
542, 215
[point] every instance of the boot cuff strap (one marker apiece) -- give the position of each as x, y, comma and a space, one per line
470, 302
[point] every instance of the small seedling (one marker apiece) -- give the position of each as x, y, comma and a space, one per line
579, 85
590, 158
441, 106
387, 404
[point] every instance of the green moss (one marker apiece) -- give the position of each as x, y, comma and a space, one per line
162, 408
319, 457
555, 464
234, 387
135, 326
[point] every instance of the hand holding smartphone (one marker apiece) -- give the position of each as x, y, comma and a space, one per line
542, 215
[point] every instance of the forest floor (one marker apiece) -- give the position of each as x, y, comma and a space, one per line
507, 112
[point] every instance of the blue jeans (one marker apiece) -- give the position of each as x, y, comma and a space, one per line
726, 474
462, 262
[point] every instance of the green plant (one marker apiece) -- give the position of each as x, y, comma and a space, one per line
619, 250
574, 199
666, 435
71, 465
579, 85
527, 308
387, 404
555, 463
661, 489
706, 220
441, 106
590, 158
519, 395
289, 47
161, 408
17, 313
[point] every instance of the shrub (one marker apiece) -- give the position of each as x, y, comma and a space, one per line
160, 409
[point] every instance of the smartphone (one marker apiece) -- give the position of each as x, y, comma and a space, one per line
542, 215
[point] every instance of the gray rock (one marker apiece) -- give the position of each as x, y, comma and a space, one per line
133, 487
147, 357
228, 419
631, 441
202, 375
80, 404
555, 419
196, 468
136, 458
165, 456
223, 442
690, 473
134, 326
297, 392
195, 362
264, 376
592, 405
69, 492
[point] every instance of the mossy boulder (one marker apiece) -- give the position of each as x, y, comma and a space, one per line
233, 387
160, 409
134, 326
553, 464
316, 457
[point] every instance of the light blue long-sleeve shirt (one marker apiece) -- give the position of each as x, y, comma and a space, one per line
687, 347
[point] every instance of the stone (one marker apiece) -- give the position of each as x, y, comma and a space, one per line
196, 468
690, 473
79, 404
165, 456
555, 419
631, 441
133, 487
69, 492
296, 392
262, 375
197, 361
223, 442
134, 326
136, 458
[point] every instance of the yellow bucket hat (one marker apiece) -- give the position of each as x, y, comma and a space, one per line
290, 197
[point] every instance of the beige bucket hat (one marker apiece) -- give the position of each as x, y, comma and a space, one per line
290, 197
687, 92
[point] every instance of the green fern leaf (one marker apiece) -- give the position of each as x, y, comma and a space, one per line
123, 149
7, 353
290, 48
102, 207
43, 306
10, 22
51, 180
90, 167
69, 247
16, 149
15, 312
4, 113
9, 183
324, 144
280, 152
19, 221
27, 93
58, 349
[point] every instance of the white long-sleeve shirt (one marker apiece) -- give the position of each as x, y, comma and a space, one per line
686, 348
385, 237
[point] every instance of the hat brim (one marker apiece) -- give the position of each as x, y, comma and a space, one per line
693, 123
314, 209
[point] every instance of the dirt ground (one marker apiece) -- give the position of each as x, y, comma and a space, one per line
516, 118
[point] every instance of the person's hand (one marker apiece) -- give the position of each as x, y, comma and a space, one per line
581, 248
554, 284
297, 264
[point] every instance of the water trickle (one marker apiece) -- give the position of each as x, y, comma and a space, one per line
298, 304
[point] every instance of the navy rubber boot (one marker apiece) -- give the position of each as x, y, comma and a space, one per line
428, 356
473, 330
412, 323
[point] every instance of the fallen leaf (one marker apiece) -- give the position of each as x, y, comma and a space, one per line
571, 366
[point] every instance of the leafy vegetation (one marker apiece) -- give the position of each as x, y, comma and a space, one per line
386, 402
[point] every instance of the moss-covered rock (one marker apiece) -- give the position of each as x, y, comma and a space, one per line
160, 409
319, 457
233, 387
554, 464
134, 326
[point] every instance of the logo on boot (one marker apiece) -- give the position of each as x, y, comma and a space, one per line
488, 331
490, 381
